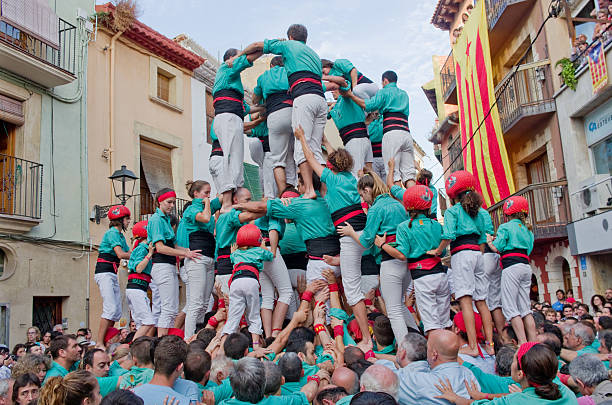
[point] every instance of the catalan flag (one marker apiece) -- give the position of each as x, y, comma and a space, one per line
485, 154
597, 66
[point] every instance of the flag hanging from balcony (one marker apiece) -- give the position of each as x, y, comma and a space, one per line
485, 154
597, 66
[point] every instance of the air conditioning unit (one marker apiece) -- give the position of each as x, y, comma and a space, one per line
595, 194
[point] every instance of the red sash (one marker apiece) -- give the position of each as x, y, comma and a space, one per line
425, 264
348, 216
227, 99
243, 267
390, 239
303, 80
139, 276
465, 247
115, 264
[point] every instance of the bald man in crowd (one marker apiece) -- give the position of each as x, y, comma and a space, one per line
346, 378
378, 378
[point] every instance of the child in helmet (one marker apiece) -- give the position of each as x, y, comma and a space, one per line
464, 231
415, 237
139, 278
248, 255
514, 242
113, 248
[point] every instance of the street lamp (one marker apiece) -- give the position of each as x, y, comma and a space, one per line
120, 178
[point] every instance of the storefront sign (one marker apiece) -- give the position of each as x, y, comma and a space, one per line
598, 123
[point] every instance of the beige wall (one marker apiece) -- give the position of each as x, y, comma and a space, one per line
136, 116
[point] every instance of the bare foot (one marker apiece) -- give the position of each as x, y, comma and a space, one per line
489, 349
332, 260
365, 345
225, 210
469, 351
310, 195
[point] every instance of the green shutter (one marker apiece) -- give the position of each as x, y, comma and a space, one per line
251, 180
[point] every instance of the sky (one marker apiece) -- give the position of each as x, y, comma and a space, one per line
375, 35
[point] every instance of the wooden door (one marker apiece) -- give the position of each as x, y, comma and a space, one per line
7, 167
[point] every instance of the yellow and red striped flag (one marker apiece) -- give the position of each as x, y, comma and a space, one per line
485, 155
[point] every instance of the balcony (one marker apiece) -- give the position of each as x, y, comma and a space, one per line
449, 80
145, 205
503, 17
549, 211
525, 98
20, 194
45, 54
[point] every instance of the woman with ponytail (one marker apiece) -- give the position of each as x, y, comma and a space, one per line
465, 233
164, 273
345, 206
415, 237
514, 242
196, 232
113, 248
534, 368
424, 177
384, 216
77, 388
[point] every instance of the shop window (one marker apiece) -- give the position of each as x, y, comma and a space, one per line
602, 156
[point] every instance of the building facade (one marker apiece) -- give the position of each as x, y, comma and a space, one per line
141, 116
44, 234
525, 84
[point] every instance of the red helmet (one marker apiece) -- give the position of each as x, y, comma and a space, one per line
248, 235
516, 204
139, 230
418, 198
118, 211
460, 181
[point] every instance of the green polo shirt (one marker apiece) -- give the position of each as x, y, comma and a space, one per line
345, 400
416, 240
529, 397
341, 189
136, 257
513, 235
375, 130
222, 391
457, 223
311, 216
291, 242
289, 388
490, 383
113, 238
346, 112
189, 224
212, 134
389, 99
159, 228
58, 371
108, 384
253, 255
298, 398
116, 369
227, 228
267, 224
385, 214
342, 67
136, 376
228, 78
298, 56
487, 221
272, 81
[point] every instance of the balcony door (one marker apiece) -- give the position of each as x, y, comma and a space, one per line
538, 171
155, 173
7, 167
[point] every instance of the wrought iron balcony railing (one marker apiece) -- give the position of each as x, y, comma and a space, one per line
447, 74
20, 187
549, 209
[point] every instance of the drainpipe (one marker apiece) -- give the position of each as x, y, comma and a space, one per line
111, 107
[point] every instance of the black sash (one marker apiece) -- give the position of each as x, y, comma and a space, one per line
305, 82
216, 148
228, 101
224, 264
369, 267
353, 131
277, 101
204, 241
296, 260
327, 245
161, 258
395, 121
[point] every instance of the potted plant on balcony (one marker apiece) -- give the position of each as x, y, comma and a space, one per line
568, 72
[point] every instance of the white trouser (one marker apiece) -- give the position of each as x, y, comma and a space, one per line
468, 275
350, 267
199, 285
379, 167
281, 137
515, 286
155, 301
394, 280
229, 129
166, 278
108, 283
397, 144
369, 282
361, 152
433, 300
295, 301
215, 167
493, 272
310, 112
365, 91
277, 273
314, 270
243, 295
264, 161
140, 307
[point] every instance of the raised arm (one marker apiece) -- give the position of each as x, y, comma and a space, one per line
359, 101
339, 80
310, 158
354, 78
259, 207
391, 164
205, 215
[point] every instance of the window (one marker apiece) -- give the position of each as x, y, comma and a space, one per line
155, 173
4, 323
163, 87
455, 156
602, 156
2, 262
46, 312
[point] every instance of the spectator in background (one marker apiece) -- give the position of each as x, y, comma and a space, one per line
46, 340
5, 362
550, 315
5, 391
76, 388
19, 350
58, 328
570, 297
597, 302
568, 311
582, 310
32, 363
558, 306
33, 335
608, 295
591, 376
605, 342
